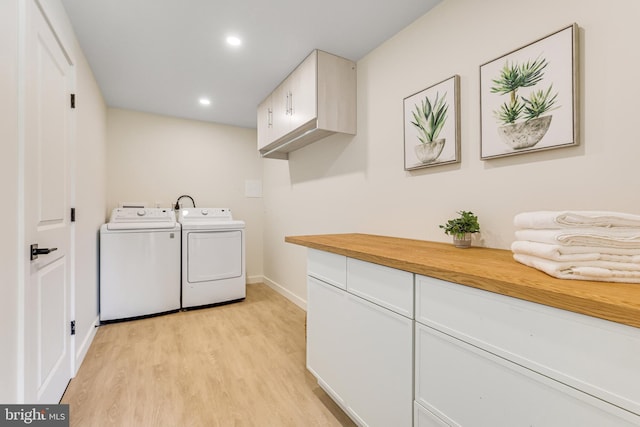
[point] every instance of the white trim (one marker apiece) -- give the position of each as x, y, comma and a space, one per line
83, 348
254, 279
22, 267
286, 293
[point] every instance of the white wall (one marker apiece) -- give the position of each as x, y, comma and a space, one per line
9, 191
155, 159
359, 185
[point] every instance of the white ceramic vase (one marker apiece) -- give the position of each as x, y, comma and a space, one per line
430, 151
525, 134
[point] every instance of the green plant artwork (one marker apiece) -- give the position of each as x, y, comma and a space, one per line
429, 118
514, 76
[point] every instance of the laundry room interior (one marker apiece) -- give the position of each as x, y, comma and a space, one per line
129, 155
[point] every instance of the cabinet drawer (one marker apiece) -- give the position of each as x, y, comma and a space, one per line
593, 355
328, 267
476, 388
381, 285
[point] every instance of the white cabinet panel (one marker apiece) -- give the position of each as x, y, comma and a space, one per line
424, 418
327, 340
328, 267
590, 354
380, 385
382, 285
302, 93
476, 388
265, 122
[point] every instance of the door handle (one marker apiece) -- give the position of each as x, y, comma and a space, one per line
35, 251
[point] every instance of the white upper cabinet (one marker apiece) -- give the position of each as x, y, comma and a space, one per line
316, 100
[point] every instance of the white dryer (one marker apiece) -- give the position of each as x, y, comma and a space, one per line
139, 263
213, 256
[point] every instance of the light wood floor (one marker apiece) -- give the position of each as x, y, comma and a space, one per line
241, 364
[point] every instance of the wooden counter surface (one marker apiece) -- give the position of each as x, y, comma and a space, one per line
493, 270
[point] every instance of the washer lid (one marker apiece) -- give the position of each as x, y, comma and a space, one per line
141, 218
208, 218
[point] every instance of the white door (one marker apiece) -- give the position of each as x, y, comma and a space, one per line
46, 173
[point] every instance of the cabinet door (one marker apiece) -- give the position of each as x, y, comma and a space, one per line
302, 94
467, 386
265, 123
281, 112
380, 384
327, 353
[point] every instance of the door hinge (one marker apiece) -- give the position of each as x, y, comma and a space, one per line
73, 214
73, 327
73, 100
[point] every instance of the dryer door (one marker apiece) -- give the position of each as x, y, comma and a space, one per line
214, 255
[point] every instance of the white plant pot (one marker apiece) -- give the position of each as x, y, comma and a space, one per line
525, 134
430, 151
463, 241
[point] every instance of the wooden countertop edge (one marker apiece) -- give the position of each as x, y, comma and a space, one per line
597, 299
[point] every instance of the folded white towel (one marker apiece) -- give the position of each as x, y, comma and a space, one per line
628, 238
575, 253
561, 219
579, 272
566, 265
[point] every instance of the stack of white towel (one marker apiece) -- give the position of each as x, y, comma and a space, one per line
582, 245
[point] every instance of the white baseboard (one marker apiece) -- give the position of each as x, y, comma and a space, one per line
285, 293
254, 279
83, 348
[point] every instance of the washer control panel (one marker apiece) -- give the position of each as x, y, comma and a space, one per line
142, 214
196, 214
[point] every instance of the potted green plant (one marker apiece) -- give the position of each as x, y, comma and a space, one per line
461, 228
429, 118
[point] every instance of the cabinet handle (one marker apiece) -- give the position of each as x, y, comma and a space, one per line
291, 102
269, 117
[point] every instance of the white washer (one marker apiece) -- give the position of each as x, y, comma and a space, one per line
139, 263
213, 256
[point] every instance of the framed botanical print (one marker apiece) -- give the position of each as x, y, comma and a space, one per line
528, 97
432, 125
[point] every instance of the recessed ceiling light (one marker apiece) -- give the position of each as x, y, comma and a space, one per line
234, 41
205, 101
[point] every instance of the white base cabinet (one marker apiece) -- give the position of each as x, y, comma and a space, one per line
360, 351
398, 349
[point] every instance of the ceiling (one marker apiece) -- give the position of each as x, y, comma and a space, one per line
162, 56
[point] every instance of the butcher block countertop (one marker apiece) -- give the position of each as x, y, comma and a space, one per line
493, 270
